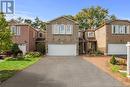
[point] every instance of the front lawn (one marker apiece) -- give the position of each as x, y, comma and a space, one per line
10, 66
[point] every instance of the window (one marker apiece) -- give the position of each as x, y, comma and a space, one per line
69, 29
90, 34
61, 29
55, 29
120, 29
40, 34
15, 30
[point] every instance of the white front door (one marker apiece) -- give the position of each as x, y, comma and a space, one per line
117, 49
23, 48
62, 50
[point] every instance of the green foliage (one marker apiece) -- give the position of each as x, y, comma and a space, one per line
123, 74
98, 52
41, 47
115, 68
113, 60
15, 50
5, 34
93, 17
32, 54
37, 23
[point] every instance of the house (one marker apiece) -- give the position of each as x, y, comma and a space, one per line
87, 41
62, 37
91, 42
113, 36
24, 35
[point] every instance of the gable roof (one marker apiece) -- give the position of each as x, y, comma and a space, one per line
62, 17
109, 22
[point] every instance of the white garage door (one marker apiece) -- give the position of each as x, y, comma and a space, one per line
62, 50
22, 47
117, 49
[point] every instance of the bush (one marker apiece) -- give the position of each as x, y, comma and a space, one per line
8, 53
41, 47
98, 52
1, 57
115, 68
15, 50
113, 60
32, 54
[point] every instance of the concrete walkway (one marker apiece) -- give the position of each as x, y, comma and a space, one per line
62, 72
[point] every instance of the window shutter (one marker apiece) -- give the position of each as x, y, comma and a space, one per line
128, 30
112, 29
71, 29
53, 27
18, 30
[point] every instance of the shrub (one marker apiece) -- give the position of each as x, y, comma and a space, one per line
113, 60
98, 52
32, 54
121, 62
15, 50
115, 68
41, 47
8, 53
1, 57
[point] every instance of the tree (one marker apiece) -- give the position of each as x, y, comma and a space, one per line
39, 24
20, 20
15, 50
5, 34
93, 17
28, 21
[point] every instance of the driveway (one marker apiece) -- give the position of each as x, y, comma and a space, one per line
62, 72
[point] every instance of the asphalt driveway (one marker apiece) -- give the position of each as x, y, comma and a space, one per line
62, 72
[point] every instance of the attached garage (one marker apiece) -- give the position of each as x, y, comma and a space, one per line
62, 49
117, 49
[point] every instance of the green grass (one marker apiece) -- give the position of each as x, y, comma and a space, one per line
10, 66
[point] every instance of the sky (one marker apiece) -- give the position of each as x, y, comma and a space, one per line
49, 9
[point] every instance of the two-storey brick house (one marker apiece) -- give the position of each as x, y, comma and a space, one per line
24, 35
62, 37
113, 36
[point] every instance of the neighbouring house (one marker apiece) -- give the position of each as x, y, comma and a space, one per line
113, 36
87, 41
24, 35
62, 37
91, 42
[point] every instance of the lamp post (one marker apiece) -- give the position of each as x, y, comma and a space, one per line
128, 59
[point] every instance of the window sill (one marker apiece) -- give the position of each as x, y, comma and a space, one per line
62, 34
120, 34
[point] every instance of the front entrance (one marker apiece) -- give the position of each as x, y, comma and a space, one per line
91, 47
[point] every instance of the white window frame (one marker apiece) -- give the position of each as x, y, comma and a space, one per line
55, 29
16, 30
62, 29
69, 29
90, 34
120, 29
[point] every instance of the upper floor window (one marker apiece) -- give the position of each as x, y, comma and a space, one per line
90, 34
120, 29
62, 29
40, 35
15, 30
